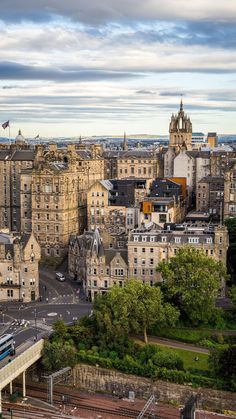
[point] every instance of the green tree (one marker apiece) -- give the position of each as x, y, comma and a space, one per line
193, 281
147, 309
58, 355
231, 255
232, 295
223, 364
60, 332
132, 309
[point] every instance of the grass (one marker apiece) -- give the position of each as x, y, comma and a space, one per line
194, 336
188, 358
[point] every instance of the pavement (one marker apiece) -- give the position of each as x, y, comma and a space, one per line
59, 300
181, 345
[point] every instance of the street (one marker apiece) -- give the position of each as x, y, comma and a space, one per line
59, 300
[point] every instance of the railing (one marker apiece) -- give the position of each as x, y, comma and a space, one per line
20, 363
8, 285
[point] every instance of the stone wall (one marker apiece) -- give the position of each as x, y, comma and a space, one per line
92, 378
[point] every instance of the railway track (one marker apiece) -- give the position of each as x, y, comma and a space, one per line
98, 405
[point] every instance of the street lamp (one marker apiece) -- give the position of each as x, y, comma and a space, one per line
35, 322
11, 412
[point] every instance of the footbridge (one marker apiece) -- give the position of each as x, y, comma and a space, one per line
18, 366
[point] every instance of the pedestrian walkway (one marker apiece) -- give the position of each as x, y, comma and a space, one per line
175, 344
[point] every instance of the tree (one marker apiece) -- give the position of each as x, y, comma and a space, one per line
60, 330
132, 309
232, 295
223, 364
231, 255
193, 280
57, 355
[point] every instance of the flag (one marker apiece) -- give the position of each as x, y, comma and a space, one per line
37, 136
6, 124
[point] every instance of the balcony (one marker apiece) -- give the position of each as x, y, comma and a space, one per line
7, 285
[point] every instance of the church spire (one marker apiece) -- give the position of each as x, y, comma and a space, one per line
181, 104
125, 145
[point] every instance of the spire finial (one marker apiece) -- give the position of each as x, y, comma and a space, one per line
181, 103
125, 145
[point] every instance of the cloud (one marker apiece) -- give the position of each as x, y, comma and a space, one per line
17, 71
122, 10
145, 92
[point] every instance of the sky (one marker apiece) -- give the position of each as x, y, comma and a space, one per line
86, 67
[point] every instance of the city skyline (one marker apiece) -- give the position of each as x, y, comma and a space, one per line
75, 69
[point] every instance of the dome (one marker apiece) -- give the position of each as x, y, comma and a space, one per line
20, 139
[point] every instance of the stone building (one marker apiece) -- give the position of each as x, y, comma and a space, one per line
114, 204
13, 159
19, 259
150, 244
212, 139
180, 130
51, 190
135, 163
210, 196
230, 191
160, 210
54, 194
94, 266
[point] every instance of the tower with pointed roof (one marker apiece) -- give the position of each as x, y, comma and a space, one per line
125, 144
180, 130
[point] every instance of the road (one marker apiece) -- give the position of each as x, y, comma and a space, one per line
58, 300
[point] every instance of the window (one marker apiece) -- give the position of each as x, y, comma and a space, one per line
151, 261
152, 238
143, 271
135, 260
193, 240
162, 218
95, 271
164, 239
151, 272
177, 239
135, 249
144, 238
47, 216
220, 239
135, 271
209, 240
151, 250
143, 262
107, 271
95, 283
119, 272
105, 283
136, 238
220, 252
143, 250
10, 293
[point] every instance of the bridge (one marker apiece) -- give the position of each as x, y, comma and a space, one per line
18, 366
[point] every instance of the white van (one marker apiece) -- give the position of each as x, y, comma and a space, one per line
60, 277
